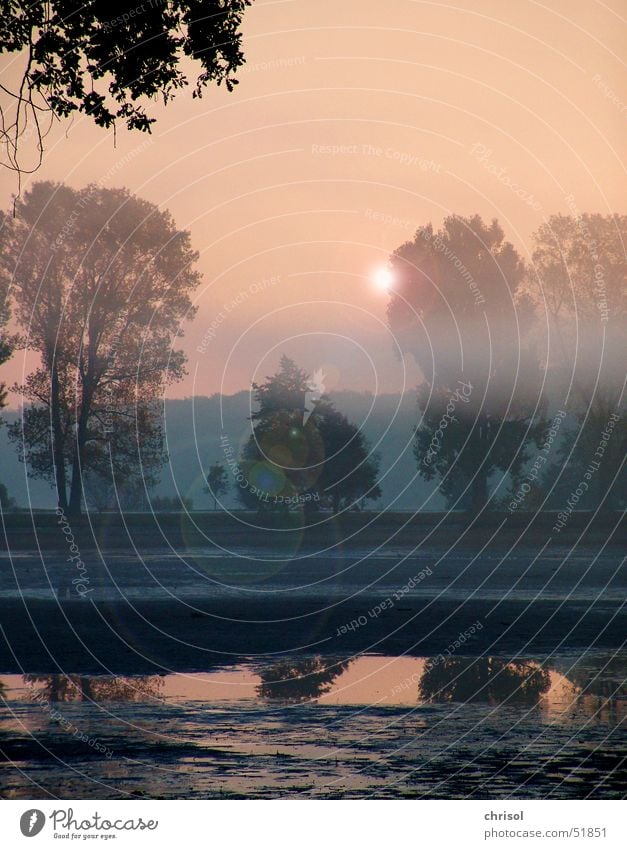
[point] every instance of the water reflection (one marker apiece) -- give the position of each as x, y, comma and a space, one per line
418, 727
596, 681
91, 688
300, 680
489, 680
607, 678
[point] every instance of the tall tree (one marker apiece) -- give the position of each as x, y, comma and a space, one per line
577, 284
303, 452
6, 345
454, 306
101, 58
6, 349
102, 281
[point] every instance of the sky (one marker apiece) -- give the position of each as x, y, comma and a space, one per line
354, 124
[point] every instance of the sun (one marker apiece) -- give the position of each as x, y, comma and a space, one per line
383, 278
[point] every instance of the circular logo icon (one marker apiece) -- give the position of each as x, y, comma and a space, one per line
32, 822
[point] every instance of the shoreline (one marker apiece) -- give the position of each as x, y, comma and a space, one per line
156, 637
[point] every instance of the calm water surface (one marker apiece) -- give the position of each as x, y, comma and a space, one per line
323, 727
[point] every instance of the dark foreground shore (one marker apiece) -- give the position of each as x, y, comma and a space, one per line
48, 531
192, 606
150, 637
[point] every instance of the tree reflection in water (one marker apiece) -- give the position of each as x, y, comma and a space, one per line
301, 679
86, 688
601, 685
605, 677
483, 679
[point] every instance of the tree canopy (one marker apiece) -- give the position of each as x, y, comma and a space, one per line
453, 303
101, 58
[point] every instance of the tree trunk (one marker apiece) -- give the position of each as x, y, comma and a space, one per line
76, 487
58, 454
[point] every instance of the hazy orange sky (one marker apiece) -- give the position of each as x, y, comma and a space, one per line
353, 124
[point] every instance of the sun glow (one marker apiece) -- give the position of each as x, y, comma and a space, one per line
383, 278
